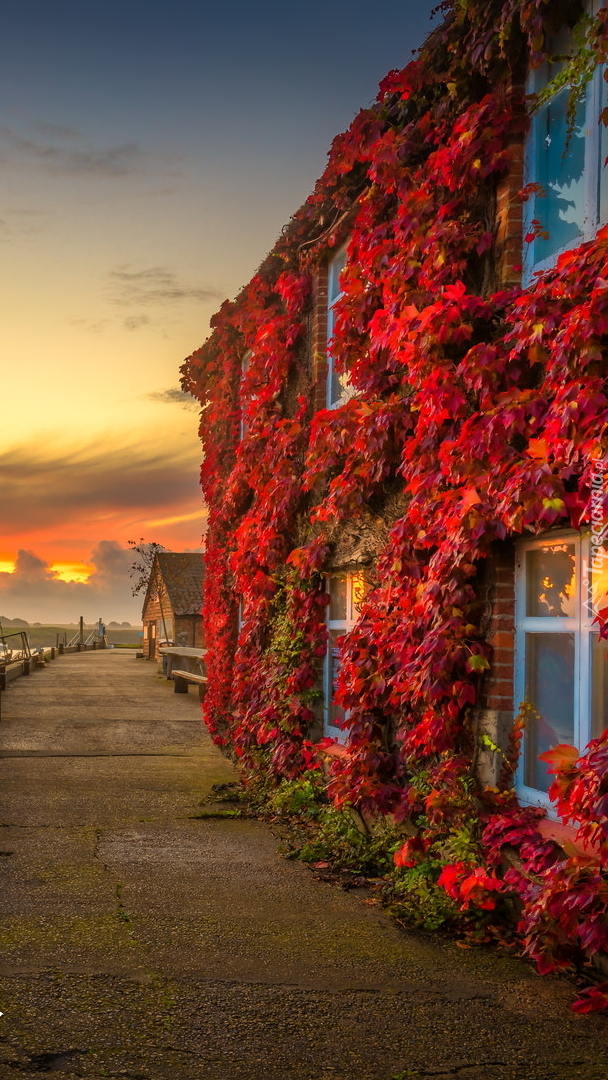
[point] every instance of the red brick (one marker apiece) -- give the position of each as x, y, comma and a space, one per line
503, 607
505, 703
503, 670
505, 591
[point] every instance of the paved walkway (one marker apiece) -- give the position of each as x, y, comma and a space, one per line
141, 941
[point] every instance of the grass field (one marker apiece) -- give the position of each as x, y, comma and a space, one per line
46, 636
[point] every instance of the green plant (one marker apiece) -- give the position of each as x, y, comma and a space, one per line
414, 897
304, 796
340, 842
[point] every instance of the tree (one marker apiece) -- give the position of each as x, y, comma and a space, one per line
141, 569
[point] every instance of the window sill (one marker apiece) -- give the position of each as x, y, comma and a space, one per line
563, 835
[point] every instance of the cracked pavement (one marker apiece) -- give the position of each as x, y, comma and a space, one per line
140, 941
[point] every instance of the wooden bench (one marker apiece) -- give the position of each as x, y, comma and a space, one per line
182, 679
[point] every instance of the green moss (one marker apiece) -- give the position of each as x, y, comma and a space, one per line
100, 934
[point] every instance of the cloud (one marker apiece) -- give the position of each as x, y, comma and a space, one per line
111, 562
35, 593
60, 131
20, 222
49, 155
136, 322
29, 567
155, 285
174, 396
43, 488
92, 326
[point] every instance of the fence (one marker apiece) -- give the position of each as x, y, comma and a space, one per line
17, 658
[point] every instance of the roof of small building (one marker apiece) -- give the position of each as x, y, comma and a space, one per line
183, 573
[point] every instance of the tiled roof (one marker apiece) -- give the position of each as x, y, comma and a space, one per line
182, 574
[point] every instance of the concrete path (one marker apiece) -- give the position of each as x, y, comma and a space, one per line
141, 941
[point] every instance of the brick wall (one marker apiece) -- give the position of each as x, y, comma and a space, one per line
189, 631
498, 687
509, 213
496, 705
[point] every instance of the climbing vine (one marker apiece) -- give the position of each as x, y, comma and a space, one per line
477, 411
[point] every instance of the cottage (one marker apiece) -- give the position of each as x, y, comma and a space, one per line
172, 611
405, 455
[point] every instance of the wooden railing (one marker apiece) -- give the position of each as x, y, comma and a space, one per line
15, 667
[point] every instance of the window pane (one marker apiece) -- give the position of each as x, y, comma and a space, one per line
550, 692
336, 713
599, 686
337, 383
550, 581
335, 388
603, 183
337, 598
336, 267
358, 590
558, 167
595, 575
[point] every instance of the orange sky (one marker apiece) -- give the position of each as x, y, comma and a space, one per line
59, 503
150, 155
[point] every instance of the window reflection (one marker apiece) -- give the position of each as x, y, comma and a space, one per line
346, 594
337, 597
566, 158
599, 686
337, 714
603, 177
559, 168
550, 692
358, 590
595, 583
338, 385
336, 267
550, 581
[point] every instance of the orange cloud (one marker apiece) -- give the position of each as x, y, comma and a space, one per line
38, 592
71, 571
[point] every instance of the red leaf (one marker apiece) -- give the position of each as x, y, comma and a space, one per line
560, 757
591, 999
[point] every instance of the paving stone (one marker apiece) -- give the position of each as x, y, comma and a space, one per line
140, 941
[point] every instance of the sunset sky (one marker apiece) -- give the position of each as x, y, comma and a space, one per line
150, 152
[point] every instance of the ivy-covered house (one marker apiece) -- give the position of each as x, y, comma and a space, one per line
405, 418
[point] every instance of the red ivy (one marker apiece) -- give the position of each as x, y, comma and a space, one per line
480, 411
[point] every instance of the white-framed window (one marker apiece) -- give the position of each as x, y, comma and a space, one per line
337, 385
346, 593
569, 167
561, 666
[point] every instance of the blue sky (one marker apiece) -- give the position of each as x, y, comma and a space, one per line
150, 153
